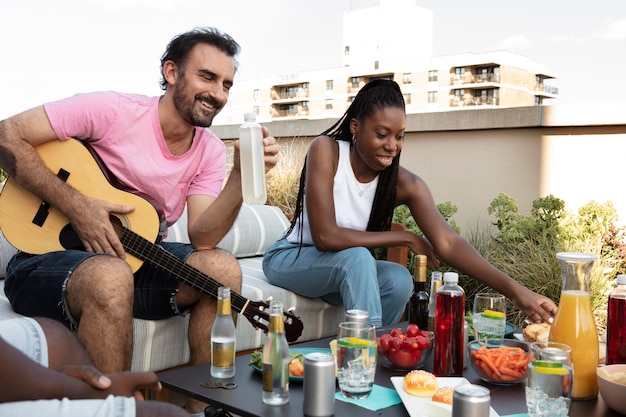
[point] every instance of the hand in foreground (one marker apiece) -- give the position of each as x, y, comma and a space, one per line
125, 384
87, 374
132, 383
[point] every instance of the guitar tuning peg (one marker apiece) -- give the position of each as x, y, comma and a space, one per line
269, 299
291, 309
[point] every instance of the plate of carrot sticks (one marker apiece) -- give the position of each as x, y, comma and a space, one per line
500, 361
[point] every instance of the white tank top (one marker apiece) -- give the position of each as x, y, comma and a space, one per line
353, 200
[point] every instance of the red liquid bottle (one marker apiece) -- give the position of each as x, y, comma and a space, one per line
449, 332
616, 324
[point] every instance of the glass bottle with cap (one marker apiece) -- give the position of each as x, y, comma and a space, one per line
449, 327
223, 337
574, 323
276, 359
435, 283
418, 302
616, 324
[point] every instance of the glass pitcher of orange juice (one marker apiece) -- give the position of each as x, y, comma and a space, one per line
574, 323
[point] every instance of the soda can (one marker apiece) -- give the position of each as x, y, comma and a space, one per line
471, 400
359, 316
318, 385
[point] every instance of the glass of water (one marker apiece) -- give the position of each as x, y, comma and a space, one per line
549, 380
489, 316
356, 359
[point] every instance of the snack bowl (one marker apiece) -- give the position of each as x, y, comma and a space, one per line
612, 385
500, 361
405, 350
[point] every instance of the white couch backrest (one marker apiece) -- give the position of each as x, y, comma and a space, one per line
254, 230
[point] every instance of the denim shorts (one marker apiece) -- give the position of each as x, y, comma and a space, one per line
36, 285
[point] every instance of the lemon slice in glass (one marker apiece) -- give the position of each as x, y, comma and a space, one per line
355, 343
549, 367
490, 314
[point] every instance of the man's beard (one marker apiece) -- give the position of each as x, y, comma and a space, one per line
187, 110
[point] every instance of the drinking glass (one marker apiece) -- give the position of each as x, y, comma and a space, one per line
549, 380
356, 359
489, 316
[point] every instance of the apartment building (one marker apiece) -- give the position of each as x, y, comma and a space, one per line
377, 45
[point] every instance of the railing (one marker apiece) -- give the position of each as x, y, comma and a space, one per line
469, 78
547, 89
286, 95
290, 113
475, 101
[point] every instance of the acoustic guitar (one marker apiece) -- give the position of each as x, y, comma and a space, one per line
36, 227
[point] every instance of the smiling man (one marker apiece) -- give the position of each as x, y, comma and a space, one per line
156, 147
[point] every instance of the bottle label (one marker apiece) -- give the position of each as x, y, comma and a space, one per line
223, 306
276, 381
277, 325
223, 354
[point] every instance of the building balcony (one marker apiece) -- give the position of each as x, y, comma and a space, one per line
548, 89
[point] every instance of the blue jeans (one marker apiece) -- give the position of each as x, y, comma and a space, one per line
36, 285
351, 277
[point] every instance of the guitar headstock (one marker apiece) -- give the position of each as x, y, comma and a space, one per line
257, 313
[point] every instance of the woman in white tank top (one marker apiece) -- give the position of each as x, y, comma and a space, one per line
350, 184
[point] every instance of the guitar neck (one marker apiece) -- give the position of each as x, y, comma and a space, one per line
158, 257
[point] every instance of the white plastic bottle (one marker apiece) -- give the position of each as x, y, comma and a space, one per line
223, 337
276, 359
252, 161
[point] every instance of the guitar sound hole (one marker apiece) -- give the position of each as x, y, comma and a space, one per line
69, 239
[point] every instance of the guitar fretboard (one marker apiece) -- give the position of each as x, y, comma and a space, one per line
158, 257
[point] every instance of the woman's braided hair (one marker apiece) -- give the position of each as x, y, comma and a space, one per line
376, 95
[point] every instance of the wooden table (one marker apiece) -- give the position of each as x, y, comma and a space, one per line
245, 400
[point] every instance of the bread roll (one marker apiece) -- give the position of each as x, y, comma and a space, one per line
421, 383
537, 332
444, 395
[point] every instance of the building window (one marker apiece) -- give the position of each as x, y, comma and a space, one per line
376, 64
459, 94
355, 81
407, 98
256, 110
255, 95
432, 96
406, 78
346, 50
433, 75
329, 104
305, 87
330, 85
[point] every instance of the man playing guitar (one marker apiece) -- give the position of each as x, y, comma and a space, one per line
158, 147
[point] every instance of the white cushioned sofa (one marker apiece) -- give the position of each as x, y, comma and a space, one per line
162, 344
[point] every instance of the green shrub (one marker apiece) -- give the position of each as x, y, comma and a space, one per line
525, 247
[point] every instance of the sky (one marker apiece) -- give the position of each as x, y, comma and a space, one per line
51, 49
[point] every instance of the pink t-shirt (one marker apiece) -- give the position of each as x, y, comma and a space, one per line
125, 132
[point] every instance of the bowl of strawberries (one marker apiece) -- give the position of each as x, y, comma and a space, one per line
405, 349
